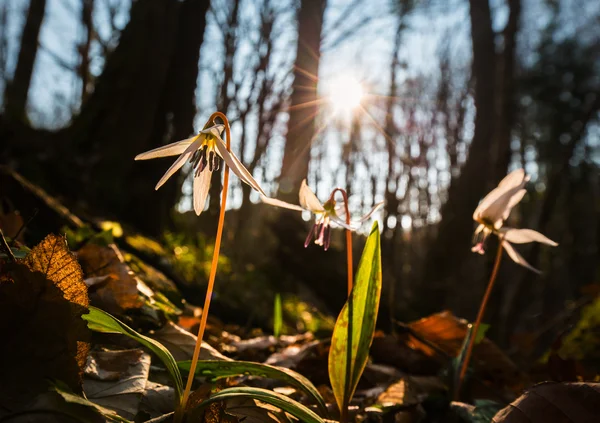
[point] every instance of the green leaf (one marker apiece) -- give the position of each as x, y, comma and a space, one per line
101, 321
457, 362
217, 369
278, 400
277, 316
355, 326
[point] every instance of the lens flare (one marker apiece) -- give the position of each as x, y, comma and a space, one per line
345, 94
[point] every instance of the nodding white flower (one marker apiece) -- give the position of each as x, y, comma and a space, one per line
495, 208
206, 152
327, 216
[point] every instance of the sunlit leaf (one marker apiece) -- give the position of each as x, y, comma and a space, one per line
355, 326
214, 369
278, 400
101, 321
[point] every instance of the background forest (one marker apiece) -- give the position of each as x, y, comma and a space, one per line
456, 94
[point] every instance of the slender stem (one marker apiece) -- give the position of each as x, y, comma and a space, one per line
348, 239
482, 307
346, 401
211, 278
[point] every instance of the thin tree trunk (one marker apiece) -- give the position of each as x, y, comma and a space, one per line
17, 91
451, 247
304, 107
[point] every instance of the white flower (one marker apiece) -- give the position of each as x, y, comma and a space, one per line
206, 152
495, 208
327, 216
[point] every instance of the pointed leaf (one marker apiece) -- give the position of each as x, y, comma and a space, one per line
100, 321
217, 369
355, 326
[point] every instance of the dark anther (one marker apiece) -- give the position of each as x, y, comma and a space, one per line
195, 157
216, 163
202, 159
211, 161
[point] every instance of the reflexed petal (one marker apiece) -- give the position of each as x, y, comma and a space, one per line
237, 167
335, 219
522, 236
368, 215
279, 203
167, 150
201, 187
308, 199
179, 162
517, 258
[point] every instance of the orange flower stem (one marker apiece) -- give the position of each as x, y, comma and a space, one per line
482, 307
211, 278
348, 239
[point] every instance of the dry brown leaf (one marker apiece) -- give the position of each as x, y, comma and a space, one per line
410, 390
447, 332
40, 320
552, 402
117, 379
181, 343
120, 291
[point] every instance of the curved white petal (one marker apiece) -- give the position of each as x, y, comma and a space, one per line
237, 167
514, 179
513, 201
178, 163
335, 219
370, 213
308, 199
517, 258
279, 203
498, 202
167, 150
522, 236
201, 187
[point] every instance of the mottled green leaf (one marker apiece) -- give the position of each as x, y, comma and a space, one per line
355, 326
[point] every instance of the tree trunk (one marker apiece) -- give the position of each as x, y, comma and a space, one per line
451, 246
144, 98
16, 92
304, 107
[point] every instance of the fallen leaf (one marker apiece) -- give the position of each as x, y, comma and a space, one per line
447, 332
120, 291
42, 300
410, 390
552, 402
158, 399
117, 380
181, 343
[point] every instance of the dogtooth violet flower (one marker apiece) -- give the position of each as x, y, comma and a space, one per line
206, 152
328, 215
495, 208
